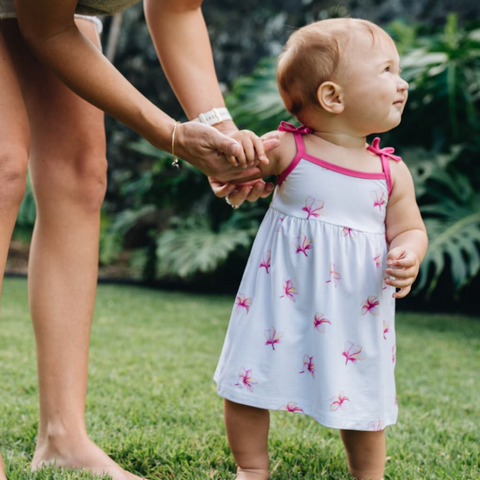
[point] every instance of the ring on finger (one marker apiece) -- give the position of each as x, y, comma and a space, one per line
227, 199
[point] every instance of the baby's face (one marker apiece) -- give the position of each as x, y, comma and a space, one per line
374, 93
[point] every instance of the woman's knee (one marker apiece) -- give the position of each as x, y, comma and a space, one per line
13, 175
80, 180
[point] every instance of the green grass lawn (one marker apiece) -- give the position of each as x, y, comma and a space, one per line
152, 403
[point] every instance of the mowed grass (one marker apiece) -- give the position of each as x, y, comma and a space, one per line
152, 403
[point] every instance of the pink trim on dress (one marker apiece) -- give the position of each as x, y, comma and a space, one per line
343, 170
385, 155
296, 160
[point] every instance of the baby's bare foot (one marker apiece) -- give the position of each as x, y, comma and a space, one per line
85, 455
251, 474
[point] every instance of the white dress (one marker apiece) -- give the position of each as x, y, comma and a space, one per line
312, 327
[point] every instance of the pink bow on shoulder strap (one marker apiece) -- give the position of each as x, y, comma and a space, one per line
288, 127
384, 152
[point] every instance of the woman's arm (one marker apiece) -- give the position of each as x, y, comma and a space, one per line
48, 27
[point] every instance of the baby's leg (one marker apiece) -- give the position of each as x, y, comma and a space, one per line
247, 432
365, 453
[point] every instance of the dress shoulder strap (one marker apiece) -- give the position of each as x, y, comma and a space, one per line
385, 155
297, 133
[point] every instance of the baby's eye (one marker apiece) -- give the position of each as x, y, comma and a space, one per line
387, 69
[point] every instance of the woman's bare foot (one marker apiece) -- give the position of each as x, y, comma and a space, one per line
80, 455
251, 474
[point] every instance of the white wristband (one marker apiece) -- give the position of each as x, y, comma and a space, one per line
214, 116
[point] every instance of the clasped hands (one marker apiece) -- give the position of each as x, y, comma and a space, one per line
227, 158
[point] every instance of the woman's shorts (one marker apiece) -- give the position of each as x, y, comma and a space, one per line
7, 10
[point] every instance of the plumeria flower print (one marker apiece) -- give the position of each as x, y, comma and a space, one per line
289, 290
319, 322
292, 407
376, 426
245, 379
385, 277
377, 259
242, 302
348, 232
385, 329
272, 337
279, 225
334, 275
313, 207
308, 365
379, 198
266, 258
394, 353
371, 305
352, 353
339, 402
302, 244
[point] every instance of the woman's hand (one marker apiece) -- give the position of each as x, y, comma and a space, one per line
403, 265
237, 194
218, 155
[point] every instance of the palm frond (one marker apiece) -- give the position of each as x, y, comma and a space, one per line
453, 226
186, 251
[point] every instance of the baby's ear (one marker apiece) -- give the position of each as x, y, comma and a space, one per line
330, 97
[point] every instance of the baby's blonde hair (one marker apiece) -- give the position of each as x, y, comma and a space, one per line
312, 55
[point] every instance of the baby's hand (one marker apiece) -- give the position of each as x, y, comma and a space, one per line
403, 265
253, 149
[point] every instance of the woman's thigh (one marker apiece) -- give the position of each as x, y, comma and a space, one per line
67, 156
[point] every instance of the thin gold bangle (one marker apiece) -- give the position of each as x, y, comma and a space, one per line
175, 162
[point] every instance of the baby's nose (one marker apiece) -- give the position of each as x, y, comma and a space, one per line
403, 85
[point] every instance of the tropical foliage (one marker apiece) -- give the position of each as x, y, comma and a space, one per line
172, 225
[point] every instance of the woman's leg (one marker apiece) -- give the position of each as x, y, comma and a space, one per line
68, 172
14, 144
365, 453
247, 433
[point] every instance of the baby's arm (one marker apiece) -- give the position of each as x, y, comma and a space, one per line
406, 233
278, 158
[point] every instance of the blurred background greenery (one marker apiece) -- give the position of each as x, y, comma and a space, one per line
166, 228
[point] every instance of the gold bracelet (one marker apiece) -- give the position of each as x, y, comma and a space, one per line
175, 162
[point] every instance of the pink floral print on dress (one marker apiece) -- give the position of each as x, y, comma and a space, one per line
334, 275
385, 329
379, 198
308, 365
279, 224
302, 244
319, 321
313, 207
266, 259
375, 426
245, 379
352, 353
377, 259
348, 232
394, 353
291, 407
242, 302
339, 402
272, 337
371, 305
289, 290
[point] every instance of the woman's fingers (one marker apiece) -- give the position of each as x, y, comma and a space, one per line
260, 190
